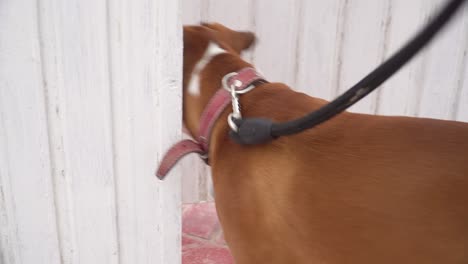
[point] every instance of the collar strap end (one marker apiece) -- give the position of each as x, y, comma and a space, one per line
175, 153
243, 81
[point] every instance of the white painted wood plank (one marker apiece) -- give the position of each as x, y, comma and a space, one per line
131, 39
75, 33
28, 231
191, 11
363, 46
238, 15
51, 45
445, 57
169, 125
462, 109
276, 26
401, 94
146, 63
318, 48
234, 14
190, 166
193, 171
9, 251
77, 121
195, 179
461, 106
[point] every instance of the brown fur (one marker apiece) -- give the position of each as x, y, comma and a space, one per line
357, 189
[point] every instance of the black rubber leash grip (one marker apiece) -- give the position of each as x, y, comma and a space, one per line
252, 131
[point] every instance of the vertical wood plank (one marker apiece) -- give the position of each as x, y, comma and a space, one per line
363, 46
238, 15
445, 58
9, 251
401, 94
132, 39
276, 24
142, 48
169, 124
196, 179
67, 140
75, 34
233, 14
191, 11
460, 111
28, 232
194, 172
319, 45
51, 45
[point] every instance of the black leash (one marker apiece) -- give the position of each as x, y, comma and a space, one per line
259, 130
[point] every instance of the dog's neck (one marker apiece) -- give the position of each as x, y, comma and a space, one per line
202, 82
260, 102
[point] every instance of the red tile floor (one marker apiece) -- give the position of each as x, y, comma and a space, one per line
202, 237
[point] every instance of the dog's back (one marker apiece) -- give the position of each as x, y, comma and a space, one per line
358, 189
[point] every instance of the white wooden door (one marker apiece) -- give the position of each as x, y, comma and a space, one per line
90, 97
322, 47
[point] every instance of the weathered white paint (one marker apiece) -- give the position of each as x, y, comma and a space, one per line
89, 91
399, 95
28, 232
363, 45
318, 49
462, 107
241, 15
461, 110
194, 173
442, 72
276, 26
76, 63
191, 11
323, 47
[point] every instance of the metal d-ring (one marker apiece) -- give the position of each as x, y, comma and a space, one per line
236, 84
225, 80
246, 90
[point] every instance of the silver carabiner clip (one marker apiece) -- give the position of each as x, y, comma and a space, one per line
236, 111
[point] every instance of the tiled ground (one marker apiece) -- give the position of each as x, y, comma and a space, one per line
202, 237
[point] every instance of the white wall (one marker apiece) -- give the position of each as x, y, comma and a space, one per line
323, 47
89, 99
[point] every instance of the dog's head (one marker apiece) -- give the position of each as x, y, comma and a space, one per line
202, 43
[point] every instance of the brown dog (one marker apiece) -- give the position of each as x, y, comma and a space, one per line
357, 189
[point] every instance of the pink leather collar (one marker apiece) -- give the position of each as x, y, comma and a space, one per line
215, 107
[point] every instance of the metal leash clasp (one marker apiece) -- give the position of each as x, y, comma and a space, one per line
232, 89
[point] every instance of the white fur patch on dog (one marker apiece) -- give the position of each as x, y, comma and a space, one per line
211, 51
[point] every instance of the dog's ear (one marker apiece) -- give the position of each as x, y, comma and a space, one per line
237, 40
